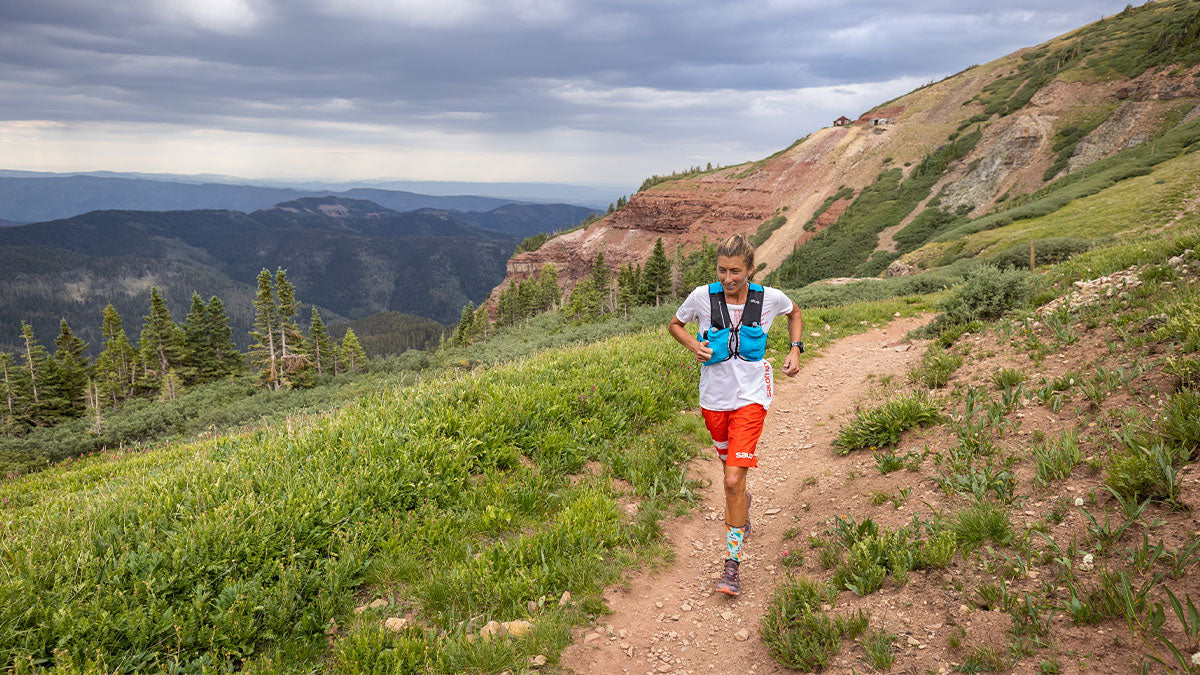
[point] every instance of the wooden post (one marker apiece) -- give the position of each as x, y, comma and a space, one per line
1032, 256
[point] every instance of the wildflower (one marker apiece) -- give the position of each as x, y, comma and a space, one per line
1088, 558
1079, 501
1196, 659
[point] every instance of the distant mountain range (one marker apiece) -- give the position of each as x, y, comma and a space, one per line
27, 196
352, 258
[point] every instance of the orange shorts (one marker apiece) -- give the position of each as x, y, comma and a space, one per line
735, 433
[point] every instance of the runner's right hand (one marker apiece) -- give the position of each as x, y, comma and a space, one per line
702, 352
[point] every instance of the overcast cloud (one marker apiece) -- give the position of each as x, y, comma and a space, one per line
495, 90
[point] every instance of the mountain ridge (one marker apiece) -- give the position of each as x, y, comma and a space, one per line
26, 199
1042, 114
351, 258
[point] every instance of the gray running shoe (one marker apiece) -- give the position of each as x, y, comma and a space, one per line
729, 584
749, 500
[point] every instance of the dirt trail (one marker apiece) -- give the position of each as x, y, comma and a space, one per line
670, 621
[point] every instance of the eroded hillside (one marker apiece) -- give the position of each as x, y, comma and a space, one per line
976, 143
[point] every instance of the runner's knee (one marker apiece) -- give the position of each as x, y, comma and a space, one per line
735, 483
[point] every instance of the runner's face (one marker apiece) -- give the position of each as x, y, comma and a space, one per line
732, 273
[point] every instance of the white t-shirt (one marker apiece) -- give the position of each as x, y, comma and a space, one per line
735, 383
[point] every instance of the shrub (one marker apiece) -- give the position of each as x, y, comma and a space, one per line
823, 295
767, 228
1186, 371
1046, 252
987, 293
1142, 469
1180, 421
937, 365
881, 427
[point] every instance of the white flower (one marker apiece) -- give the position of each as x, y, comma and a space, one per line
1088, 559
1196, 658
1079, 501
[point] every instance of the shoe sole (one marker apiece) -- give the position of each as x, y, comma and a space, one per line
729, 592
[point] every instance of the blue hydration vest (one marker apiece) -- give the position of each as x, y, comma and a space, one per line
747, 341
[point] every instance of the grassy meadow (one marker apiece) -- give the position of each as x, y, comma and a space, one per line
463, 498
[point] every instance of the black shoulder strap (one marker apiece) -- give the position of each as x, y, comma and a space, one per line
752, 314
718, 311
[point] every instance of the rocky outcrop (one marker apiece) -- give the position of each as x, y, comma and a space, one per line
1160, 86
1125, 128
1003, 154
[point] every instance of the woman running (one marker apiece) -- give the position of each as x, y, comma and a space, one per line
736, 382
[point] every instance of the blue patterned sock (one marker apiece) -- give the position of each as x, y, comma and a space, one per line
733, 541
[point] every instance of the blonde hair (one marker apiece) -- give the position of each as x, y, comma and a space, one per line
738, 246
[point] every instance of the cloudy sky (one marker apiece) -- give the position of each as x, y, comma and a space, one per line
595, 93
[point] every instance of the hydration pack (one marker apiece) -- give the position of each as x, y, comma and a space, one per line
747, 341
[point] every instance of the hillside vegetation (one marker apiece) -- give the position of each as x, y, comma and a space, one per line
1026, 486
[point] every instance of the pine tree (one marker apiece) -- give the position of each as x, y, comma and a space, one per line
147, 376
265, 352
319, 345
463, 330
480, 322
171, 388
291, 341
656, 276
297, 369
95, 406
602, 282
71, 371
162, 336
527, 304
10, 399
199, 362
585, 303
549, 293
114, 366
36, 397
353, 355
628, 287
228, 359
508, 305
700, 266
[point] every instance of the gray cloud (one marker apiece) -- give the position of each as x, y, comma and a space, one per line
655, 80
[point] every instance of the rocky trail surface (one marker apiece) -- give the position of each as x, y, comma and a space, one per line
670, 620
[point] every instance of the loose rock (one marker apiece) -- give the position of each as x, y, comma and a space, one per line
518, 628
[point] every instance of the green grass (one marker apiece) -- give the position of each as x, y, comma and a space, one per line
222, 550
1007, 378
878, 646
1054, 460
981, 523
798, 634
937, 365
880, 427
767, 228
469, 493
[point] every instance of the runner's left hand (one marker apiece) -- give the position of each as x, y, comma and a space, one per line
791, 365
